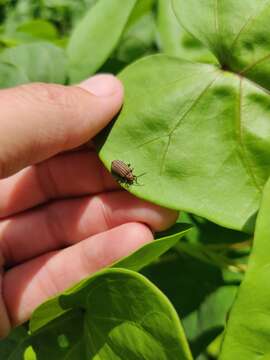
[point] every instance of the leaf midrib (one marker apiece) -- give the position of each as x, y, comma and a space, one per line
195, 102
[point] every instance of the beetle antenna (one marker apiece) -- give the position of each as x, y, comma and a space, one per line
136, 179
141, 174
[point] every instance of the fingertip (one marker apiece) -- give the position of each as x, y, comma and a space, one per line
137, 235
165, 219
103, 85
106, 88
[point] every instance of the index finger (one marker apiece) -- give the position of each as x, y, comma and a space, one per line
39, 121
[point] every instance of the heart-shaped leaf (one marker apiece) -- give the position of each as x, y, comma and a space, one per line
247, 333
117, 314
236, 31
175, 41
200, 135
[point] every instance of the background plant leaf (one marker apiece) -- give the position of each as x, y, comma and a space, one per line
247, 333
96, 36
11, 75
201, 294
39, 61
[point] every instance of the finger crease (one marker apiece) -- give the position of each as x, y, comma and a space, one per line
104, 212
2, 260
47, 182
102, 177
49, 277
6, 253
91, 260
57, 232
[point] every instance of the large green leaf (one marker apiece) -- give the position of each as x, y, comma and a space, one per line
96, 36
175, 41
237, 32
200, 135
247, 333
116, 314
39, 61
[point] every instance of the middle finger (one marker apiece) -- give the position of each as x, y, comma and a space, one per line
62, 223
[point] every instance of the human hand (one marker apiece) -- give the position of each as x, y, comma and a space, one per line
62, 215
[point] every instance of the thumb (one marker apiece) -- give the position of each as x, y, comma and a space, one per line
41, 120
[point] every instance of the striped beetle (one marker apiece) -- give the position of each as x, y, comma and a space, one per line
123, 172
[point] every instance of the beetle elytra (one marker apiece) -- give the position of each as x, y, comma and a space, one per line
123, 172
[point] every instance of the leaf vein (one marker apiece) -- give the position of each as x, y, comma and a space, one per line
247, 24
256, 62
195, 102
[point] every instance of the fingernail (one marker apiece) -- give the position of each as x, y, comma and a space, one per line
101, 85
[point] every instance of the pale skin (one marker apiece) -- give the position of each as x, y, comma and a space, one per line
62, 215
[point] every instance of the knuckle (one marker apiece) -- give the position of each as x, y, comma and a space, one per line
47, 93
104, 211
53, 95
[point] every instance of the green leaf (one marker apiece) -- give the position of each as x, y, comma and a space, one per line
208, 233
236, 31
38, 29
200, 135
199, 293
116, 314
62, 338
13, 347
175, 41
11, 75
247, 333
141, 9
38, 61
138, 40
219, 246
96, 36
